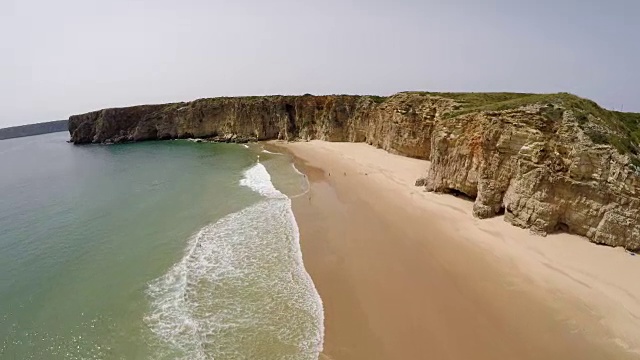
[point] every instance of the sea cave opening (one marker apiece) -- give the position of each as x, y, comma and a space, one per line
561, 228
459, 194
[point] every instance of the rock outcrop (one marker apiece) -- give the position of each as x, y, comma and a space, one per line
542, 173
547, 162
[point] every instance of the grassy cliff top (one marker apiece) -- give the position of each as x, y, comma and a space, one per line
620, 129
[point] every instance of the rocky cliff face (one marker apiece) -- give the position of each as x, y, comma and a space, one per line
401, 124
546, 163
542, 172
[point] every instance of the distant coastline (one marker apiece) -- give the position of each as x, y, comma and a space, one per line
34, 129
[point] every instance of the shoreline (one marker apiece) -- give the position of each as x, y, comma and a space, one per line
405, 274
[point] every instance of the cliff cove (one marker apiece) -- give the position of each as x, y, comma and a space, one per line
548, 162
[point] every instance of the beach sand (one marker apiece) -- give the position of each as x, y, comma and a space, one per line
406, 274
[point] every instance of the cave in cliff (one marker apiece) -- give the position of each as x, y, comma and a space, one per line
459, 194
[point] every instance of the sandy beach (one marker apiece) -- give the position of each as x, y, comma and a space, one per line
406, 274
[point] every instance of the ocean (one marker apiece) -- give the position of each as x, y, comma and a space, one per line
154, 250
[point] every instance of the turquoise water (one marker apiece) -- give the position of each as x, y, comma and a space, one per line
157, 250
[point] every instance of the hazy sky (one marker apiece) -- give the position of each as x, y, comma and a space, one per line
70, 56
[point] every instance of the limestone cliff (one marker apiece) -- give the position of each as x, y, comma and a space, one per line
400, 124
548, 162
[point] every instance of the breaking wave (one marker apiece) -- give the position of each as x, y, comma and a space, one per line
240, 291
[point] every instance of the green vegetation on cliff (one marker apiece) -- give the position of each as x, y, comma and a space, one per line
619, 129
485, 101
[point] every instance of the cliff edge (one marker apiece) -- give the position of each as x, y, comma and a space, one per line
550, 162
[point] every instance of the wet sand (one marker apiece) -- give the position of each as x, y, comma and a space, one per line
405, 274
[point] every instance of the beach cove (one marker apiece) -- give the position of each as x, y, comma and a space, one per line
405, 274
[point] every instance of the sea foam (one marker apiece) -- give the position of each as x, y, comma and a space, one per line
270, 152
306, 186
240, 290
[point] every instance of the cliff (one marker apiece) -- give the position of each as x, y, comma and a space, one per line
398, 124
547, 162
33, 129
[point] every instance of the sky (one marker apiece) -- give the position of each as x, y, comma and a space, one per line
64, 57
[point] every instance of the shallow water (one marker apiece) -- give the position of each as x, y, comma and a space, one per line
152, 250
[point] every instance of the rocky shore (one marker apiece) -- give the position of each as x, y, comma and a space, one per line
550, 163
